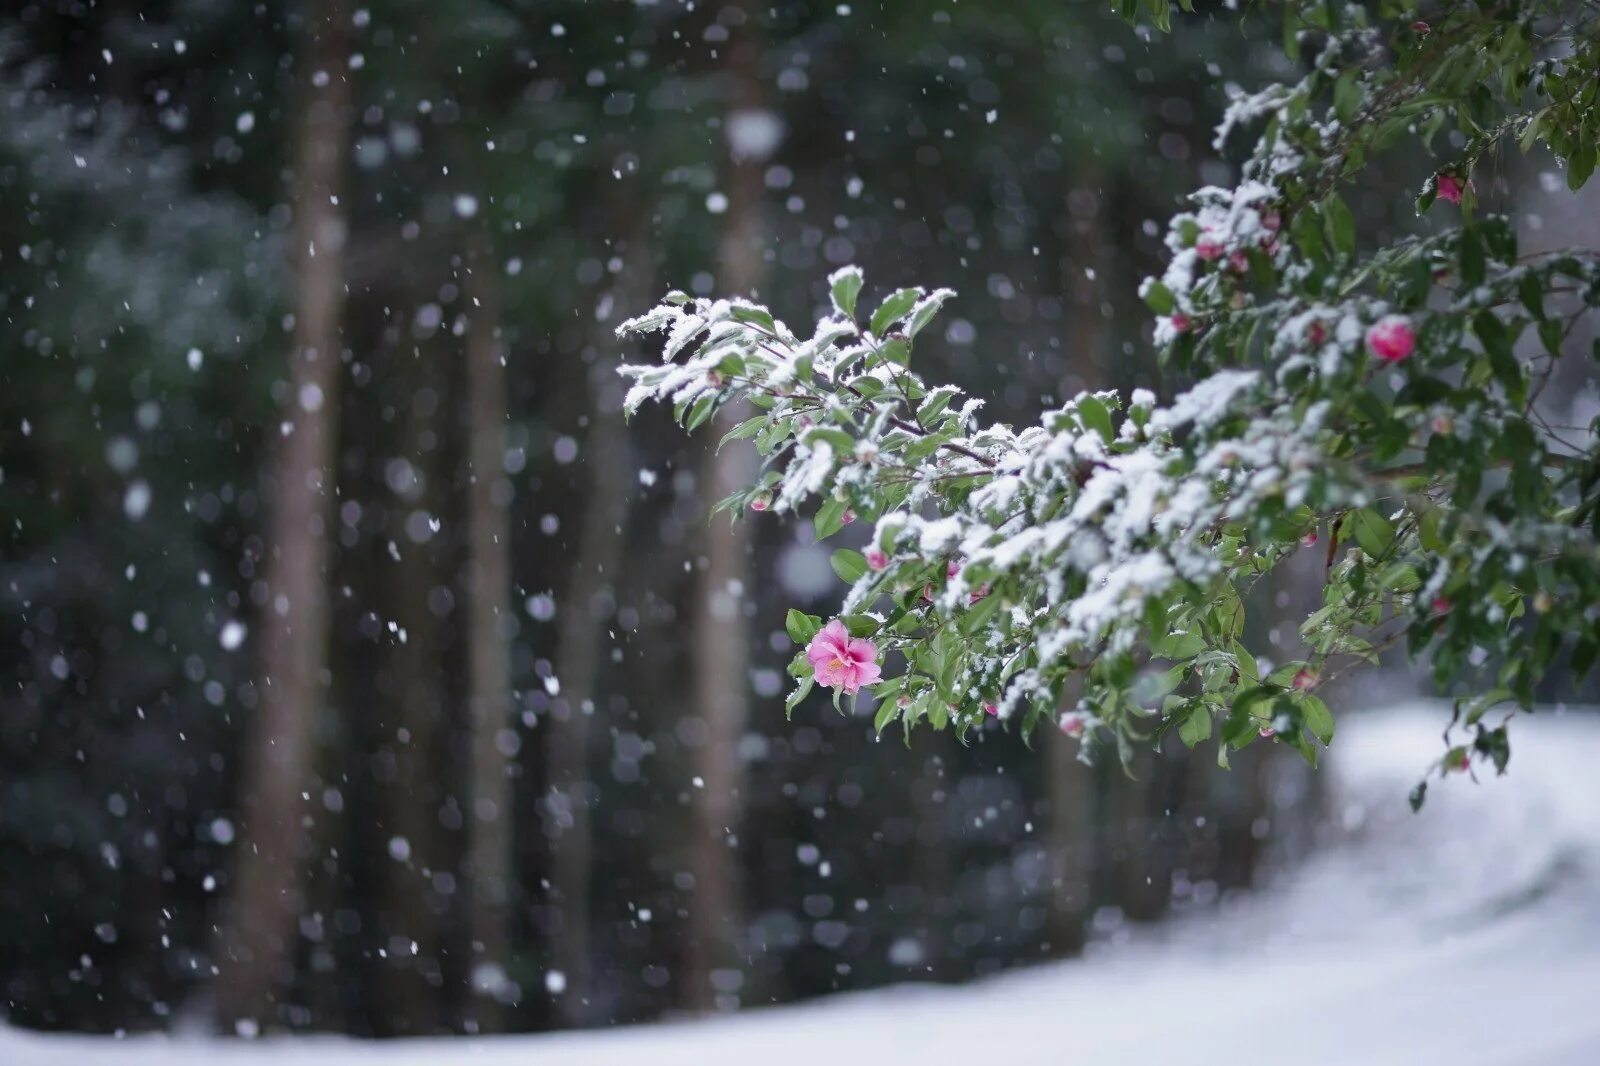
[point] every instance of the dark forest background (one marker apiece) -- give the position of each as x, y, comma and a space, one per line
360, 669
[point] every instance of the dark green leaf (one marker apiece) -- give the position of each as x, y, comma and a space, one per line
801, 627
846, 287
797, 695
850, 565
893, 310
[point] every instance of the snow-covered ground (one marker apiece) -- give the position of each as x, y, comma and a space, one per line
1467, 935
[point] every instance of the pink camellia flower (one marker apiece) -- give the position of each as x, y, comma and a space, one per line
847, 517
877, 558
1073, 723
991, 710
1449, 187
1208, 250
842, 661
1305, 680
1392, 339
1309, 539
1180, 322
760, 503
1440, 605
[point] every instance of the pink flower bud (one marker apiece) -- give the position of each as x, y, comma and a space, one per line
1267, 733
952, 568
1317, 334
1208, 250
760, 503
991, 710
847, 517
877, 559
1180, 322
1441, 605
1073, 724
1305, 681
979, 593
1309, 539
1272, 222
1239, 262
1421, 28
1392, 339
1449, 187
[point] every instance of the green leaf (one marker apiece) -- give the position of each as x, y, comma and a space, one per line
893, 310
896, 351
860, 625
849, 564
1094, 416
841, 442
1185, 645
1318, 718
887, 710
748, 428
829, 518
800, 626
1347, 96
1341, 225
1159, 298
1308, 235
976, 619
797, 695
1581, 165
1196, 724
1373, 532
1496, 744
755, 316
1503, 362
1242, 724
1472, 258
700, 411
925, 311
846, 287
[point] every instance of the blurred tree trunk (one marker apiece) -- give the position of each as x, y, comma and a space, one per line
599, 534
489, 851
1069, 841
260, 933
410, 985
721, 652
